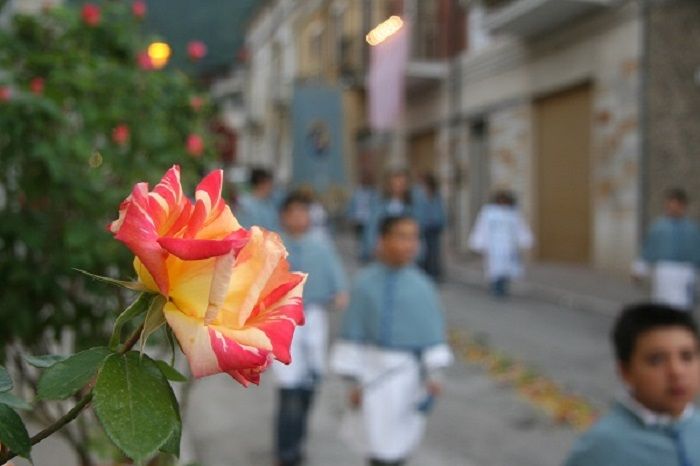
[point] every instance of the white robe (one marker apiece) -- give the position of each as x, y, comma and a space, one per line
500, 232
672, 283
308, 349
392, 388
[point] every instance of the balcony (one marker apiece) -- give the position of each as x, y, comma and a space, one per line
530, 18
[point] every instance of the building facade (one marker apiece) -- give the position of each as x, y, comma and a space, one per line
549, 107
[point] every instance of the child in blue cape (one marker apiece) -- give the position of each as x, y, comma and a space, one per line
654, 423
392, 345
310, 251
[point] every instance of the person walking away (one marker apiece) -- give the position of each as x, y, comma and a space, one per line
359, 211
499, 234
432, 217
312, 252
392, 345
671, 254
654, 422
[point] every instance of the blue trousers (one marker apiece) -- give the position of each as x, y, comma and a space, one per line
292, 414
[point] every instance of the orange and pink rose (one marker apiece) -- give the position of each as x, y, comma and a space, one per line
232, 302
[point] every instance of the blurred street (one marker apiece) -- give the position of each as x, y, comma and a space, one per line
546, 151
478, 422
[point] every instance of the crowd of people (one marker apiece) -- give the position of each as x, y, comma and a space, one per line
392, 347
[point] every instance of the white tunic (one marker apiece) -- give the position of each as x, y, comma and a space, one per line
308, 349
500, 232
392, 389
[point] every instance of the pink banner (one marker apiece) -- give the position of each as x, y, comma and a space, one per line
386, 79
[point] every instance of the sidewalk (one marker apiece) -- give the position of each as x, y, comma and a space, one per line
573, 286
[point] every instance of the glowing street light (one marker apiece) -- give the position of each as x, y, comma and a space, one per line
159, 53
384, 30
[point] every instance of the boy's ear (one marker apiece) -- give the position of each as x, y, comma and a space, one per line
623, 371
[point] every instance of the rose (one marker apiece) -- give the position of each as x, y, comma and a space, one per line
36, 85
196, 103
121, 134
195, 145
144, 61
138, 9
5, 94
232, 302
196, 50
91, 14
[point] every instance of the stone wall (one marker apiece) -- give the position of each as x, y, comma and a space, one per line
674, 102
510, 152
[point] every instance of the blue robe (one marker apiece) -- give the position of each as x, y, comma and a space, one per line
673, 240
314, 254
253, 210
395, 308
621, 439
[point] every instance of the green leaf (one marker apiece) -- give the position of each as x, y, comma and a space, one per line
5, 380
137, 308
45, 361
66, 377
14, 401
172, 446
13, 434
135, 286
155, 319
134, 403
170, 372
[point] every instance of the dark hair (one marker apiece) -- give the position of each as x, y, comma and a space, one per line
259, 175
431, 183
387, 224
677, 194
637, 319
295, 197
407, 197
504, 197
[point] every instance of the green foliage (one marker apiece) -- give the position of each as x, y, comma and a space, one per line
136, 405
13, 433
5, 380
14, 401
66, 377
138, 307
170, 372
64, 171
45, 361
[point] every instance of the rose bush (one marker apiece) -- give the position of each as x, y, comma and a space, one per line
226, 293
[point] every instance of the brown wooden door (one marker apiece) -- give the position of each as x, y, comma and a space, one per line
563, 131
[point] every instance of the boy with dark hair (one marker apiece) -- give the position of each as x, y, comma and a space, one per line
657, 349
671, 253
257, 207
392, 345
312, 252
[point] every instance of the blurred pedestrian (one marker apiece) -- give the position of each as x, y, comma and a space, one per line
257, 207
310, 252
397, 199
432, 218
654, 423
359, 211
671, 254
392, 345
318, 216
499, 234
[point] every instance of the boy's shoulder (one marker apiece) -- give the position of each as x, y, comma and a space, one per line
606, 441
620, 437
